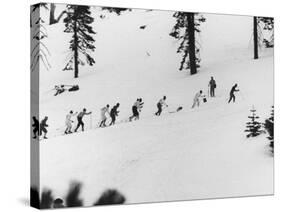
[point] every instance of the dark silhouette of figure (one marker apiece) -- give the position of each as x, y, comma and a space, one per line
35, 126
212, 85
80, 119
231, 94
34, 198
46, 199
72, 198
43, 127
113, 113
111, 197
58, 203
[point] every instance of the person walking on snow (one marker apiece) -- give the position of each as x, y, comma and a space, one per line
35, 126
196, 100
43, 125
231, 94
136, 109
140, 106
80, 119
104, 110
212, 85
160, 104
68, 122
113, 114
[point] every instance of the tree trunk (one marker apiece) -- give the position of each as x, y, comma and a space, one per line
256, 50
76, 71
52, 14
191, 43
54, 20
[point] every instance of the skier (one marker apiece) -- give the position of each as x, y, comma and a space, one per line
231, 94
80, 119
104, 110
35, 126
59, 89
140, 106
68, 122
160, 104
136, 109
196, 100
43, 125
212, 85
113, 114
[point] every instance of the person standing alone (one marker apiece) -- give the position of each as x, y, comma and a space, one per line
212, 85
231, 94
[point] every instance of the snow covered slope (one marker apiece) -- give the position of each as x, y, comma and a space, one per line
193, 154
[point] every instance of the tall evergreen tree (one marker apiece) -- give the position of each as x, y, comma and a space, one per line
253, 126
184, 30
268, 25
261, 24
39, 51
78, 23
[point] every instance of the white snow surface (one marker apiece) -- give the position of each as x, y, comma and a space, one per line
193, 154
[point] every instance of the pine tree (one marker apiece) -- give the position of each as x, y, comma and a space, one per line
39, 51
78, 22
269, 127
117, 10
253, 126
185, 31
268, 25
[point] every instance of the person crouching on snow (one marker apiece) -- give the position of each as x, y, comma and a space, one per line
160, 104
104, 110
68, 122
196, 100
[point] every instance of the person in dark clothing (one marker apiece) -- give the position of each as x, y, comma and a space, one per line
212, 85
80, 119
136, 109
35, 126
113, 114
160, 104
43, 125
231, 94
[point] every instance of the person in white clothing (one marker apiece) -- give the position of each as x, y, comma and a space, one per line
196, 100
68, 122
104, 111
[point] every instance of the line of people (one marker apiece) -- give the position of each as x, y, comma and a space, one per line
40, 128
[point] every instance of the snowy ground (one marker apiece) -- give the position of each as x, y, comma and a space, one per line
193, 154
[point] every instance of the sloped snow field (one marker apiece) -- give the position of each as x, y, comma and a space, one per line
193, 154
